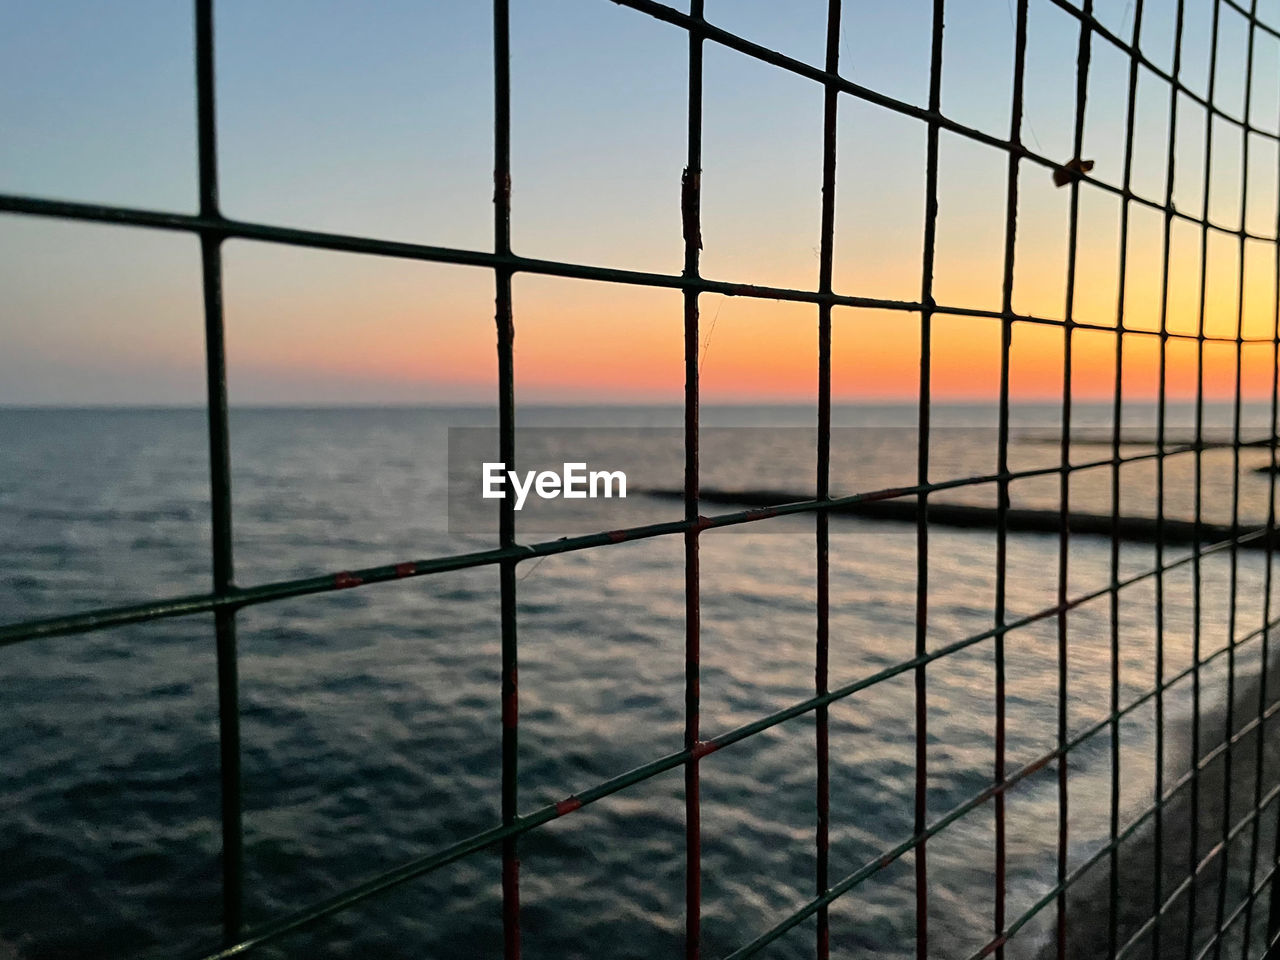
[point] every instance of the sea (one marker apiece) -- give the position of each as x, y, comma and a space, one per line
371, 717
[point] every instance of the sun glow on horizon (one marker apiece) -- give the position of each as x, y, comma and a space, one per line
97, 313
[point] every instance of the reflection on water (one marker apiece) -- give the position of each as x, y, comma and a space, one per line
371, 724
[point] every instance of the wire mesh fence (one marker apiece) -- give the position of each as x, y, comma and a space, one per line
1179, 909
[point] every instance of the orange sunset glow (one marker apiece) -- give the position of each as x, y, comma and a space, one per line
414, 325
600, 185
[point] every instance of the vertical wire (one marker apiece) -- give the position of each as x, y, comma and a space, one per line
1273, 907
1196, 569
1064, 476
1158, 832
1117, 408
1268, 587
822, 840
691, 217
1265, 667
1228, 755
1002, 462
220, 483
507, 455
922, 475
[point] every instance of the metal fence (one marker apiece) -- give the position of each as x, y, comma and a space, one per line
225, 598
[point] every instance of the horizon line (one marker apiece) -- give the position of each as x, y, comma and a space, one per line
578, 404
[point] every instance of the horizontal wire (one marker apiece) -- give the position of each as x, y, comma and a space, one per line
1252, 18
867, 870
1132, 829
1135, 53
106, 617
1178, 891
1201, 764
1218, 848
549, 812
764, 54
348, 243
1250, 898
1146, 815
1093, 24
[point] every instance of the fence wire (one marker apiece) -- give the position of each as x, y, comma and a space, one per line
226, 598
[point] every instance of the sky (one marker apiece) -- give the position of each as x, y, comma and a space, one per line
377, 120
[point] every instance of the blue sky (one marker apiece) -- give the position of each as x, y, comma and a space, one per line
376, 119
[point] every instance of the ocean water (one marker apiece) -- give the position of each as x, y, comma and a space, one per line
371, 717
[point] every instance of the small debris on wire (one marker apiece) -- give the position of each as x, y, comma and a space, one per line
690, 226
1070, 171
